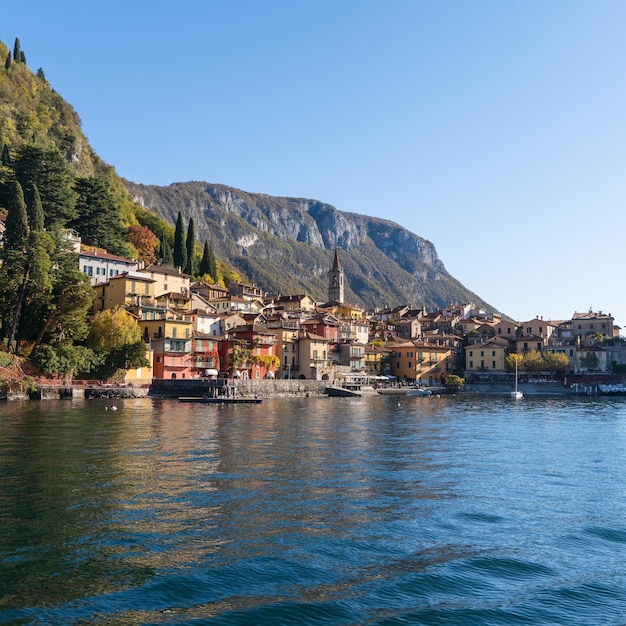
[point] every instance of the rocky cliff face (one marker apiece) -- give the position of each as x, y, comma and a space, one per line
285, 245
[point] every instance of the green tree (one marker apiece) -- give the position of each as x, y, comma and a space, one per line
191, 248
115, 336
64, 359
165, 252
510, 360
533, 361
180, 248
34, 208
589, 360
17, 53
111, 329
46, 168
98, 221
208, 266
555, 362
65, 316
16, 225
454, 381
6, 156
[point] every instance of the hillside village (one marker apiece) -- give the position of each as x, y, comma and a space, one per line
194, 330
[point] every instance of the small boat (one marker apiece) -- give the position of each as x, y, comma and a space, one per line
418, 393
220, 400
341, 392
516, 394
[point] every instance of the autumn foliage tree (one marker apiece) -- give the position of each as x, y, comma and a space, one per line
145, 241
115, 336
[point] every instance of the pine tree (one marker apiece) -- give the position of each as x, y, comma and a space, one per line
98, 222
190, 245
180, 249
46, 168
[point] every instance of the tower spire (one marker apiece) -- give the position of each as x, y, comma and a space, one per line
336, 280
336, 264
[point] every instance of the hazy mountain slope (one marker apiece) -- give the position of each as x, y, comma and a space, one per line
286, 245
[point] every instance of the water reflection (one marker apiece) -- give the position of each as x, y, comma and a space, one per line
335, 510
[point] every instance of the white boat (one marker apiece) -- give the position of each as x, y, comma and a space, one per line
418, 393
516, 394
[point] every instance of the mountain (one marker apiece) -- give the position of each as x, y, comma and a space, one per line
286, 245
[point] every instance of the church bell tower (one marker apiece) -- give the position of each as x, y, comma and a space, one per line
336, 280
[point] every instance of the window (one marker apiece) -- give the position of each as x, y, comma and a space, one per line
471, 353
471, 364
493, 365
493, 353
482, 353
88, 270
410, 364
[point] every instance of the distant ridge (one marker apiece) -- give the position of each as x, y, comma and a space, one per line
285, 245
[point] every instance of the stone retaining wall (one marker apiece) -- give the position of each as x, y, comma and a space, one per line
162, 388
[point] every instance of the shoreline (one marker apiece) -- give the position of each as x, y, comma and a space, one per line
173, 389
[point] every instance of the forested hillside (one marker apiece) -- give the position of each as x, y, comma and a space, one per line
51, 180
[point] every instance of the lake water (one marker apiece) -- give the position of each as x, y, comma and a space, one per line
379, 510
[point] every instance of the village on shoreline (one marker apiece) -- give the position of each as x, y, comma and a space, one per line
195, 331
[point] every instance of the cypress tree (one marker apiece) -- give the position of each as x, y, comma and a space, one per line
165, 252
16, 225
212, 264
204, 262
7, 62
34, 208
17, 53
191, 245
180, 249
6, 157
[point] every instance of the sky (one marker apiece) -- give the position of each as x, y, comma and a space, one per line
493, 129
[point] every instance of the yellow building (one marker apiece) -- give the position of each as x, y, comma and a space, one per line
488, 356
167, 280
131, 289
421, 362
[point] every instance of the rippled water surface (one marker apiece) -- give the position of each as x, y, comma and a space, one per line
451, 510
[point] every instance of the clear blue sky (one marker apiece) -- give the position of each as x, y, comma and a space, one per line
494, 129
